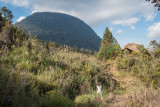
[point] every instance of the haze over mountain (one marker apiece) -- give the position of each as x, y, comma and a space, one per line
62, 29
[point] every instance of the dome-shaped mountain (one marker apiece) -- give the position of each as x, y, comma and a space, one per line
62, 29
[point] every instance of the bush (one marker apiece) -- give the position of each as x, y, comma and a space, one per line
87, 100
109, 46
143, 65
110, 52
57, 100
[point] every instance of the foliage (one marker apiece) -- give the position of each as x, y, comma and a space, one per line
109, 46
35, 73
6, 13
156, 2
143, 51
43, 69
155, 48
108, 39
31, 69
5, 16
143, 65
57, 100
17, 36
87, 100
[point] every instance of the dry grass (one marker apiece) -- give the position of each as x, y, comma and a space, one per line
133, 92
142, 97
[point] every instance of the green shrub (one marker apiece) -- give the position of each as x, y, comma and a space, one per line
109, 46
87, 100
143, 64
57, 100
16, 90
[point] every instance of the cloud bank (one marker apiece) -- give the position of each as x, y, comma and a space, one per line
127, 22
154, 30
93, 12
119, 32
21, 18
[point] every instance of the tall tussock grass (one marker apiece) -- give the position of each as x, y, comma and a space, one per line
32, 69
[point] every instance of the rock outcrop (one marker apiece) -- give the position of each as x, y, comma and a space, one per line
131, 47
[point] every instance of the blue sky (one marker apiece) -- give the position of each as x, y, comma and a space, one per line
134, 21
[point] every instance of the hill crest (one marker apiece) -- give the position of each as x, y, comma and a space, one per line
61, 28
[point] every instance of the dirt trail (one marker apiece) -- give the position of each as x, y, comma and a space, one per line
127, 82
133, 92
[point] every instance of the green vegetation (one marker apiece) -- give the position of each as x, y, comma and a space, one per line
143, 64
30, 69
34, 69
109, 46
57, 100
5, 15
44, 74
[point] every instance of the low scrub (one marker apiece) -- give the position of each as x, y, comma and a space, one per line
143, 65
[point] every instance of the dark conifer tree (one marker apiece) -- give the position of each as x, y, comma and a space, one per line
109, 46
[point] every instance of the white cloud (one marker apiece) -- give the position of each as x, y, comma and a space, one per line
154, 30
17, 2
132, 28
148, 14
119, 32
33, 12
111, 29
21, 18
150, 17
127, 22
92, 11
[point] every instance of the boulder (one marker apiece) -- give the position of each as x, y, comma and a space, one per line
131, 47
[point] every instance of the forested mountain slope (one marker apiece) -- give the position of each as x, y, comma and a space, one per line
62, 29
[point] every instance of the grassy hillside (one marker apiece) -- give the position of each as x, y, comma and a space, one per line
44, 74
30, 71
36, 73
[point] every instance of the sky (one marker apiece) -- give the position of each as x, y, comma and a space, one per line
130, 21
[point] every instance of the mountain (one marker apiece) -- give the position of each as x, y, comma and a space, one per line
62, 29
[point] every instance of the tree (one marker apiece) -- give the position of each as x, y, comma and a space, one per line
156, 2
107, 39
5, 16
155, 44
156, 48
6, 13
109, 46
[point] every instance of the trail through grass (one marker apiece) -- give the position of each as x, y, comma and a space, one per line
133, 92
